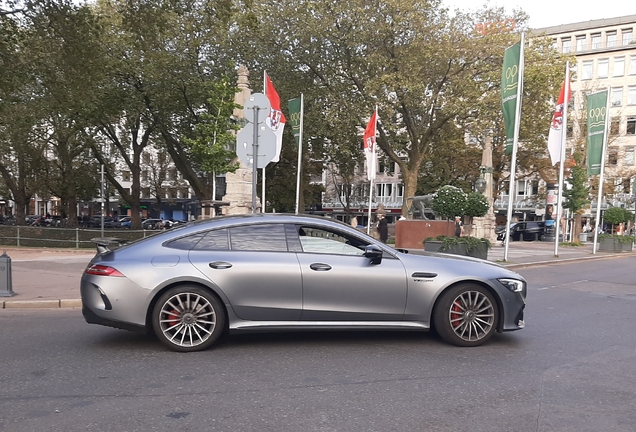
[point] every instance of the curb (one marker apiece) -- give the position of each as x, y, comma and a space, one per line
41, 304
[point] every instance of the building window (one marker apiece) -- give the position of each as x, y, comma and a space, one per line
611, 39
628, 36
619, 66
383, 190
631, 96
612, 157
566, 45
344, 191
629, 156
617, 96
125, 175
603, 68
631, 126
596, 40
632, 65
587, 70
399, 190
580, 43
535, 187
521, 187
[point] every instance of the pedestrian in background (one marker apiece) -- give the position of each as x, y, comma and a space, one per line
459, 227
383, 228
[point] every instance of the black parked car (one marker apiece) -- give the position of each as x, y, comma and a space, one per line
527, 231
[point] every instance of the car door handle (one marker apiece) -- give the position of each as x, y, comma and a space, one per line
320, 267
220, 265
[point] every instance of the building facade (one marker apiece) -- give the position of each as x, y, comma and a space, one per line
605, 52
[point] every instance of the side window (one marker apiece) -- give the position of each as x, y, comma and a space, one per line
266, 237
214, 240
185, 243
318, 240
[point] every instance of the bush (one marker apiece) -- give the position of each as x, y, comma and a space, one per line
448, 202
476, 205
470, 242
617, 215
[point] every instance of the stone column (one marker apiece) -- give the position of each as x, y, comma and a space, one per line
485, 226
239, 184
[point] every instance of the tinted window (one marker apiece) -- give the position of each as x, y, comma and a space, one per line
317, 240
185, 243
214, 240
269, 237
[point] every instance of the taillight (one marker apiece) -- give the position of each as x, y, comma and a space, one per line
102, 270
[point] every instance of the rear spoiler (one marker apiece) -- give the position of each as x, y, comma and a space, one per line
103, 243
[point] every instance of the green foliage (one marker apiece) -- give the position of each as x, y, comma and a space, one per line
476, 205
617, 215
577, 195
623, 239
449, 201
213, 138
449, 241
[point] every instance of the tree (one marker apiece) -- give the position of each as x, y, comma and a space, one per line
616, 216
476, 205
432, 76
576, 193
449, 201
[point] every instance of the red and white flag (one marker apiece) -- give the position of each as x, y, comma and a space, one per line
369, 145
555, 135
276, 119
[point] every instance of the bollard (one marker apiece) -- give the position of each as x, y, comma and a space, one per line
6, 289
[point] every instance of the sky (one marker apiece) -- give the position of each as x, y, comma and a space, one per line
546, 13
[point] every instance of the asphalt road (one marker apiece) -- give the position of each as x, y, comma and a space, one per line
571, 369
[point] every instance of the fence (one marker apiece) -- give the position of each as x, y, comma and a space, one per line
15, 235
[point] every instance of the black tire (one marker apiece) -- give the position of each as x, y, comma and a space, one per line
188, 318
466, 315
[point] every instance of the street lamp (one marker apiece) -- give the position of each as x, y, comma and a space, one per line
480, 184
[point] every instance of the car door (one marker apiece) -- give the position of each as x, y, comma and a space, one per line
340, 284
252, 266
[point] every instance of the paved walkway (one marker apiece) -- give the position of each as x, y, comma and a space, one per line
50, 278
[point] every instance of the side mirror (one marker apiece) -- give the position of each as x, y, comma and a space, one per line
374, 253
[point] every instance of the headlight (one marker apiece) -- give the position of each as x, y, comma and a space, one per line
513, 285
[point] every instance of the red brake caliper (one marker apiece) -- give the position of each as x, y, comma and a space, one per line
456, 312
174, 318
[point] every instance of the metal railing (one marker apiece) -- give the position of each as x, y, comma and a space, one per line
28, 236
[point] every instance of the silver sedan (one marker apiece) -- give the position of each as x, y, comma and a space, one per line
191, 284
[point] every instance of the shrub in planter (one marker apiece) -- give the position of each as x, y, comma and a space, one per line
615, 242
467, 246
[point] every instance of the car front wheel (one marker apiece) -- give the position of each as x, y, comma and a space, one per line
466, 315
188, 318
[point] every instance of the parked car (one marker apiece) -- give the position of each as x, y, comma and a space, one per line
528, 231
190, 284
125, 221
153, 224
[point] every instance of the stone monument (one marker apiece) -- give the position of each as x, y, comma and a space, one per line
239, 183
485, 226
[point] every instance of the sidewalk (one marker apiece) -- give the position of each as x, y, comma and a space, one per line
50, 278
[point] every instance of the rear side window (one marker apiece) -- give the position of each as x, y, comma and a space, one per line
185, 243
266, 237
214, 240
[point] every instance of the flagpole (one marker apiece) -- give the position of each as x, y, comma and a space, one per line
300, 152
263, 170
600, 178
373, 169
513, 162
564, 135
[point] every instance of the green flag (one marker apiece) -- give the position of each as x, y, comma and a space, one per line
596, 130
294, 114
509, 86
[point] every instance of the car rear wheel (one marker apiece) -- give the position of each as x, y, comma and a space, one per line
188, 318
466, 315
